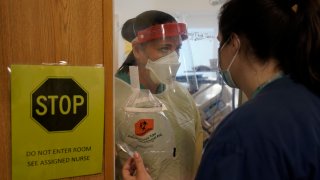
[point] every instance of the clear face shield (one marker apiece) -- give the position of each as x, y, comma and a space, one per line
166, 51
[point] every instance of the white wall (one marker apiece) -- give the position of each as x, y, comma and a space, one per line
130, 8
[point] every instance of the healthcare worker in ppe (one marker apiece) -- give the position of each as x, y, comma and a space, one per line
156, 38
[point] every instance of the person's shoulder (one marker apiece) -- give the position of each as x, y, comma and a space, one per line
279, 105
180, 87
285, 95
120, 83
122, 91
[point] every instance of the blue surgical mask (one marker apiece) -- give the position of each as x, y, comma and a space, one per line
226, 75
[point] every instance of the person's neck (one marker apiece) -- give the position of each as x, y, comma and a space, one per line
261, 76
146, 82
259, 88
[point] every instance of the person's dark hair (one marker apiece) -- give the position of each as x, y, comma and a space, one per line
142, 21
287, 30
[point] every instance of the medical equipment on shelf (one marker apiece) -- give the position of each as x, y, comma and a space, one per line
214, 103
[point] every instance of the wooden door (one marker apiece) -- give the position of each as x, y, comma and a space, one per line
47, 31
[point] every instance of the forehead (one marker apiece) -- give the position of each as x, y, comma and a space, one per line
173, 41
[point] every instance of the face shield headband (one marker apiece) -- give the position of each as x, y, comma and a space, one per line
161, 31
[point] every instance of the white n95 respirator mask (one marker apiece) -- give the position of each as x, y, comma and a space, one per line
164, 69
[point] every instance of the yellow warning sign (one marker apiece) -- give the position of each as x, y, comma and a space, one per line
57, 115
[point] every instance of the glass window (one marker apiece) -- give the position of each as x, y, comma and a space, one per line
198, 56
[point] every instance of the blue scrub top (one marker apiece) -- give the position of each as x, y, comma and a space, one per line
274, 136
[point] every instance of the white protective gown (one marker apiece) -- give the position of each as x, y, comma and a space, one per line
185, 122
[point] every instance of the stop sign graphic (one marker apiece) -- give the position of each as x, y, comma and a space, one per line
59, 104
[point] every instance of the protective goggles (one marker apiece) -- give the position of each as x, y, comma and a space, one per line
161, 31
